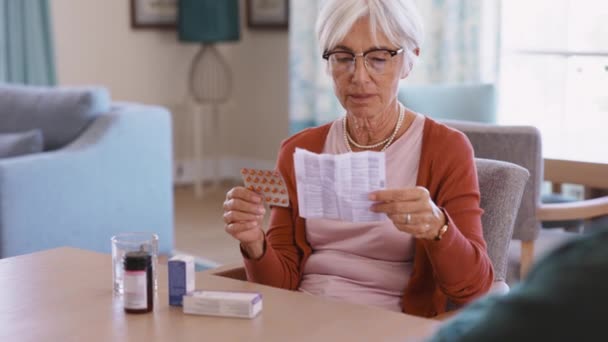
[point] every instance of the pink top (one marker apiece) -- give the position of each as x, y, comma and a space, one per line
366, 263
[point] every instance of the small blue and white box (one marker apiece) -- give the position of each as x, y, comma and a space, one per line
181, 278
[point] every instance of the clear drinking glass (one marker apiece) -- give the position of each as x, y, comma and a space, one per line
131, 242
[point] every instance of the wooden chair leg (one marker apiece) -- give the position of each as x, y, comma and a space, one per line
527, 257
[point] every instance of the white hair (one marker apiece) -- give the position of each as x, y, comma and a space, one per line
399, 20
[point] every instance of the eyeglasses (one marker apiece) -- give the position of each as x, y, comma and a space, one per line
377, 61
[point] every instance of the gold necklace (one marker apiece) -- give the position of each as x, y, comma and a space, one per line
348, 140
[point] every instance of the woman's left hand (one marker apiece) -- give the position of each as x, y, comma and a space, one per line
412, 211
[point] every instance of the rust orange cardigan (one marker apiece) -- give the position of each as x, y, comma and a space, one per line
457, 267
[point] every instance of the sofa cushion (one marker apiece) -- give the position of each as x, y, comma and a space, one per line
469, 102
61, 113
18, 144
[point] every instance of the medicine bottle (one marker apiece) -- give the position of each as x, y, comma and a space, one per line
138, 284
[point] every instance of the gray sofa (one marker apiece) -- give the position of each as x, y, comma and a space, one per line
105, 168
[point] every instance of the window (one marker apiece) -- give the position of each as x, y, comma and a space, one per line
554, 74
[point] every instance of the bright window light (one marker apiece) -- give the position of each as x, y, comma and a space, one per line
554, 74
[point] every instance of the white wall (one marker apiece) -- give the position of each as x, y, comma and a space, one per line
95, 44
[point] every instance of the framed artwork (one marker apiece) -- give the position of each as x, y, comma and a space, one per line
268, 14
154, 14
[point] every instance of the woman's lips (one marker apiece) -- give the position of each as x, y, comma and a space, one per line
360, 98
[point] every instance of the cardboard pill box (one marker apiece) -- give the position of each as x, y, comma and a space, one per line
223, 303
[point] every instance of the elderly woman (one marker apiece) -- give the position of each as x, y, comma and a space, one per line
432, 250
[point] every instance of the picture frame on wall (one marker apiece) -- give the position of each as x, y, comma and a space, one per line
268, 14
154, 14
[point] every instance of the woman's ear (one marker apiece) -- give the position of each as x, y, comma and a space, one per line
407, 67
405, 70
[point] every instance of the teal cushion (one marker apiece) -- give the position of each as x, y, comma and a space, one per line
18, 144
468, 102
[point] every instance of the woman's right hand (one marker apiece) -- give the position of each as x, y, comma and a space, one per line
243, 217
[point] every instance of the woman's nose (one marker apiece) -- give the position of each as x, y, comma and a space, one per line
360, 72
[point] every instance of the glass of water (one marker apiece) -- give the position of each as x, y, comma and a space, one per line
131, 242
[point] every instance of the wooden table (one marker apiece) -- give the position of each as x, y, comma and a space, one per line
65, 295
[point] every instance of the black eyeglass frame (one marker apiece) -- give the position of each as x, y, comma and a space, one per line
393, 53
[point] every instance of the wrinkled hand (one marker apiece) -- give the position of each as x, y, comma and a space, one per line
243, 217
412, 211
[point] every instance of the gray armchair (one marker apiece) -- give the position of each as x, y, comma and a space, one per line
106, 168
520, 145
501, 185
